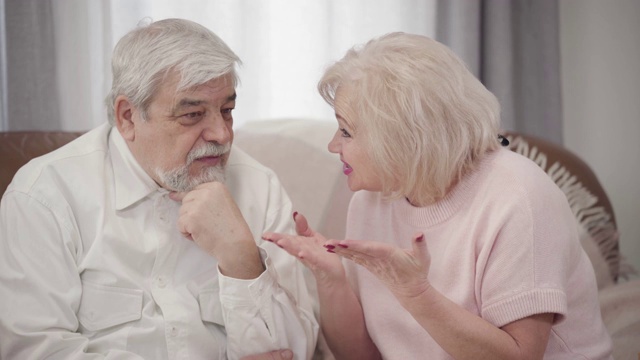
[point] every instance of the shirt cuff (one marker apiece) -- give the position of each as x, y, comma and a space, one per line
239, 292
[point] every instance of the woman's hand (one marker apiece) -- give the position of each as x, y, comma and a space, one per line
308, 248
343, 326
405, 272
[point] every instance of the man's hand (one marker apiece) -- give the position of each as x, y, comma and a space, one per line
210, 217
271, 355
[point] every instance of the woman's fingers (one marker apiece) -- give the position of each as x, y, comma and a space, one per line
302, 225
362, 248
420, 249
272, 237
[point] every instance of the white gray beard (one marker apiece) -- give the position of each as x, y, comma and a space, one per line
178, 179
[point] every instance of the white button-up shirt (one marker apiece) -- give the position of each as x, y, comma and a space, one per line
92, 265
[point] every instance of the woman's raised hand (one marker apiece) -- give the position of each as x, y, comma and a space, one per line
404, 271
308, 247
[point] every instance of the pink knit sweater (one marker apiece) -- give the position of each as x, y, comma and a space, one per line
504, 245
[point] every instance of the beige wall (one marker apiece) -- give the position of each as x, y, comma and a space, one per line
600, 47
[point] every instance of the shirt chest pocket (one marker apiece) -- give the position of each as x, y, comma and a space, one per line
210, 307
102, 307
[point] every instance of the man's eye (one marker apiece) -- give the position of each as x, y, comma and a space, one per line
193, 116
345, 133
226, 114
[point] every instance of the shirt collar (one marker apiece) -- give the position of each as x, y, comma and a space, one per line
132, 183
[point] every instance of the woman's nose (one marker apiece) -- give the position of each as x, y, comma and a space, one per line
334, 145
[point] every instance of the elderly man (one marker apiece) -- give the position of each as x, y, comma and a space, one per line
141, 239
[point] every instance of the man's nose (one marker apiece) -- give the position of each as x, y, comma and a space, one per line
217, 130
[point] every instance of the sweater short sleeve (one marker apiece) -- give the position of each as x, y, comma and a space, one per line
526, 269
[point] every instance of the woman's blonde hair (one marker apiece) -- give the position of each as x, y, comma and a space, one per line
426, 118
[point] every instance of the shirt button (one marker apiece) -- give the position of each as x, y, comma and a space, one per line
174, 331
161, 282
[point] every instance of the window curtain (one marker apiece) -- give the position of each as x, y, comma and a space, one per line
3, 68
58, 51
55, 72
28, 65
53, 64
513, 47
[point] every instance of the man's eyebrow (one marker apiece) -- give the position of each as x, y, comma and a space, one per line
186, 102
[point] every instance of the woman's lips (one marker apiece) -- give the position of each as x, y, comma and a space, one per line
346, 169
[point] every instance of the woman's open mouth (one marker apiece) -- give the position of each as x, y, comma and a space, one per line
346, 169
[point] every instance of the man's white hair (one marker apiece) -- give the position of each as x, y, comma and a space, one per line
143, 58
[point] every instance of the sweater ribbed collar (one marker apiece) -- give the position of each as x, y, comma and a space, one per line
456, 198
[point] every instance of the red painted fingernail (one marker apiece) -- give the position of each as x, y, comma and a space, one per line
343, 246
331, 251
420, 238
329, 246
294, 215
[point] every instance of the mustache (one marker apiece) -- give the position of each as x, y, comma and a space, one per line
208, 149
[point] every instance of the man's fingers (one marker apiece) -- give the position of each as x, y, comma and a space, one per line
177, 196
182, 227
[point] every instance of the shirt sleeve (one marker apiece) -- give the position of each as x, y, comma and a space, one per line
40, 287
275, 310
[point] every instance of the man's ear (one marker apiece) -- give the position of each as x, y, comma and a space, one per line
123, 111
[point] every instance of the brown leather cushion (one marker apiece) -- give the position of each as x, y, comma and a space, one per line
18, 147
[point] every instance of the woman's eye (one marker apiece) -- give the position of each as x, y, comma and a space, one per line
227, 111
345, 133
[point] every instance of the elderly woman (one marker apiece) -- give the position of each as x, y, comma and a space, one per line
457, 247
